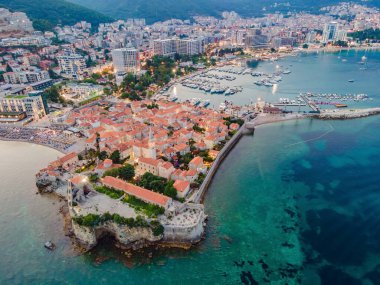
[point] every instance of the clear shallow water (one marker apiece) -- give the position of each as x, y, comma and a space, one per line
298, 202
317, 73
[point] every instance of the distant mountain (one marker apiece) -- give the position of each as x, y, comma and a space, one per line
157, 10
47, 13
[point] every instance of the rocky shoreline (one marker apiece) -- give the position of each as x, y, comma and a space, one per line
79, 234
79, 246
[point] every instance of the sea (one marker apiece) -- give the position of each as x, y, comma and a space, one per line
297, 202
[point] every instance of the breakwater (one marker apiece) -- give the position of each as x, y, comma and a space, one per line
346, 114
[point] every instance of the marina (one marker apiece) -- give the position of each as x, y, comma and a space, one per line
202, 82
296, 79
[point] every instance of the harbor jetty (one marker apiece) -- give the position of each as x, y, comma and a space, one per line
346, 113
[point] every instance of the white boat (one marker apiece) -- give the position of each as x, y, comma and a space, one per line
206, 103
195, 101
49, 245
268, 84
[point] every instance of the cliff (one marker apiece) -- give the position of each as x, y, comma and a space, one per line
183, 230
135, 237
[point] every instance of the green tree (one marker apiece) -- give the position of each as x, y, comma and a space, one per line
42, 25
115, 156
94, 177
102, 155
127, 172
52, 94
114, 172
107, 91
170, 190
152, 182
96, 76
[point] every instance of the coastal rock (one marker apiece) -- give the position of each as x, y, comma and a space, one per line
46, 185
134, 238
50, 184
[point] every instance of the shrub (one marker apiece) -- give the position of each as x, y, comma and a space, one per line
148, 209
157, 228
110, 192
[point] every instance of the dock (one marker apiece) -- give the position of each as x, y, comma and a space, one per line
289, 104
310, 103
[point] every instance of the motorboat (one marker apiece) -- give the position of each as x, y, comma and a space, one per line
49, 245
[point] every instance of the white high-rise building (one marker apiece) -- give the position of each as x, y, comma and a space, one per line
126, 60
189, 46
169, 47
341, 35
166, 47
332, 33
72, 65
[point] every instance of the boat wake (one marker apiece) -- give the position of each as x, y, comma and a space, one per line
313, 139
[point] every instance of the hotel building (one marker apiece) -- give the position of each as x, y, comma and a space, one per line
126, 60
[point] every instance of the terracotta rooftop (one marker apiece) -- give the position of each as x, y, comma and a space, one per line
197, 160
181, 185
151, 161
138, 192
79, 179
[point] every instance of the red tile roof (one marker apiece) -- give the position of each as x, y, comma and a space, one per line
138, 192
79, 179
181, 185
196, 161
150, 161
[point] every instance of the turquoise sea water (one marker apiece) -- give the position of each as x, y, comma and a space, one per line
297, 203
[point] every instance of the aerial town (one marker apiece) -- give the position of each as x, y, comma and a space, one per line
136, 158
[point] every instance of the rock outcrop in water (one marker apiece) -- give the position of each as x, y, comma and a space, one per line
49, 184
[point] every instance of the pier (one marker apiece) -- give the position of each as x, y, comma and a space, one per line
310, 103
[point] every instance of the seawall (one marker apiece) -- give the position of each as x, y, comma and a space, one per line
219, 159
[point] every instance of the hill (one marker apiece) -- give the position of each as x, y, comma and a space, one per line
157, 10
47, 13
